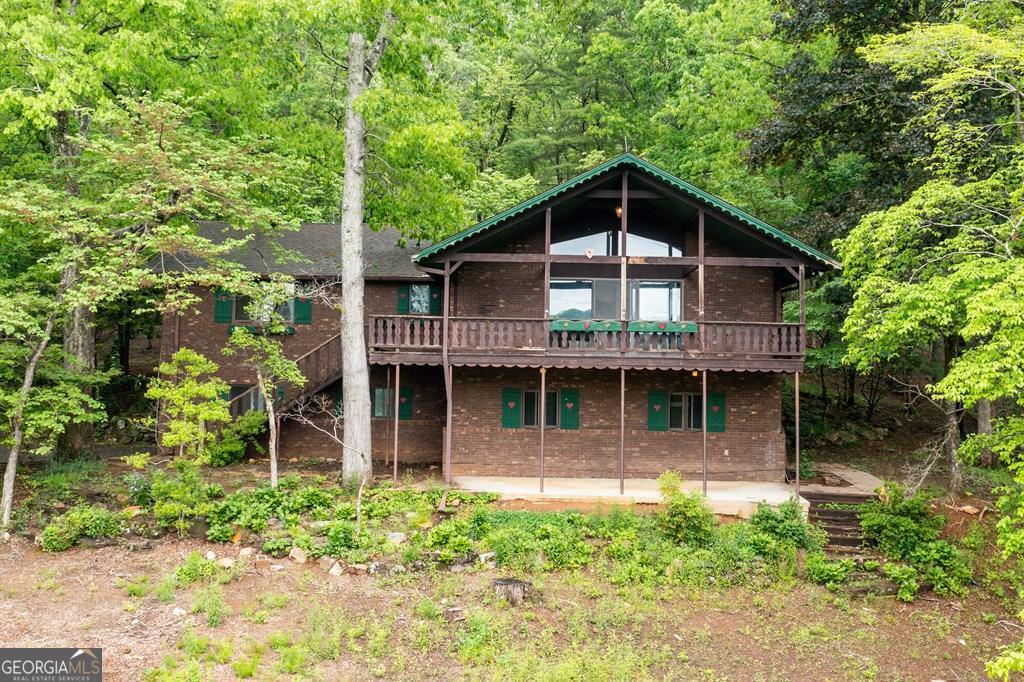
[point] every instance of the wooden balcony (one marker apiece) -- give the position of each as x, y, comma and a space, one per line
755, 343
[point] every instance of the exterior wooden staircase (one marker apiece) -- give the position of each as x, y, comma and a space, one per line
837, 514
321, 366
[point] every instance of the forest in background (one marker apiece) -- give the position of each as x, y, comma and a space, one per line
888, 133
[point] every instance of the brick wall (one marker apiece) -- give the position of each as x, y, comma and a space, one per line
731, 293
419, 438
751, 448
197, 330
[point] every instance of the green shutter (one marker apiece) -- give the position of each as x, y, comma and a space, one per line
223, 306
279, 393
303, 311
405, 402
339, 398
511, 408
569, 418
403, 299
657, 411
436, 299
716, 412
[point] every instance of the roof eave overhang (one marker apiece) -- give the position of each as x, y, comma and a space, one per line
817, 260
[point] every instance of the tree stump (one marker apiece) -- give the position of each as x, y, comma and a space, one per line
511, 590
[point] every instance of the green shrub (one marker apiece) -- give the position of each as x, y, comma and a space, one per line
905, 578
563, 547
787, 524
235, 439
514, 548
246, 667
898, 524
943, 566
81, 521
178, 500
277, 546
451, 540
341, 537
686, 518
195, 568
140, 489
831, 574
210, 602
906, 530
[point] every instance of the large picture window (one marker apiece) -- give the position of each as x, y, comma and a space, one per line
656, 300
572, 299
606, 243
598, 299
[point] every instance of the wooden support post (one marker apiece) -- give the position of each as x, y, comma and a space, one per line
543, 418
796, 428
387, 424
622, 430
448, 429
446, 461
547, 263
623, 273
700, 278
704, 429
398, 380
803, 314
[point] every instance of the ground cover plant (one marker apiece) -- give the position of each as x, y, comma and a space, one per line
620, 566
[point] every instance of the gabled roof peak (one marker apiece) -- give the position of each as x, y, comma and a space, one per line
630, 160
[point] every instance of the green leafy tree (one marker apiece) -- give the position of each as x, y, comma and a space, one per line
257, 348
943, 270
152, 172
191, 398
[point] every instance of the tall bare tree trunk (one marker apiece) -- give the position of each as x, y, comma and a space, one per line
985, 428
357, 465
17, 422
79, 328
945, 353
79, 356
268, 400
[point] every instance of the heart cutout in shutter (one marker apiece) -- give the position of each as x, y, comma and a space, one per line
657, 408
511, 405
568, 406
402, 399
714, 408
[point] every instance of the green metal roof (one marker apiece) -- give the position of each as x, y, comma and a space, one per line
649, 168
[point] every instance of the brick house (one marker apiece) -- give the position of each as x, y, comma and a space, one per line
620, 324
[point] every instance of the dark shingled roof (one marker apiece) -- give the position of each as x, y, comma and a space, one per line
316, 251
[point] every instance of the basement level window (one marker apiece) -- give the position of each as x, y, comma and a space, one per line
531, 409
684, 412
253, 400
383, 401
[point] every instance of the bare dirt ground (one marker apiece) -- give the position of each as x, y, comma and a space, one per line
573, 626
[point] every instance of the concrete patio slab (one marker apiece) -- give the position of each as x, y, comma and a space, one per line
726, 498
860, 482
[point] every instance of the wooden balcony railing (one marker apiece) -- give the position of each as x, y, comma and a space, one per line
320, 366
483, 335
